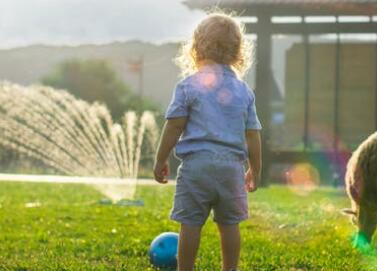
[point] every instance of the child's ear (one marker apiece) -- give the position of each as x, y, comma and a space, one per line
348, 212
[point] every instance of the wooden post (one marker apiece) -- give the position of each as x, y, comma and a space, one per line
337, 89
141, 76
375, 83
137, 66
263, 88
307, 91
337, 160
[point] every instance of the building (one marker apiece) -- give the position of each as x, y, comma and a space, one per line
329, 78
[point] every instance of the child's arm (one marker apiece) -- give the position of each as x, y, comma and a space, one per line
252, 176
171, 132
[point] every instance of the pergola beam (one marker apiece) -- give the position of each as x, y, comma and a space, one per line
288, 7
312, 28
289, 11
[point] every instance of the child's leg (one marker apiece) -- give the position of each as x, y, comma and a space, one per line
189, 239
230, 245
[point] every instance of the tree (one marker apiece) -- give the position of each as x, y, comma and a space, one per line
95, 80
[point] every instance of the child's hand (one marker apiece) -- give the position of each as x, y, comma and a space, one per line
161, 171
251, 181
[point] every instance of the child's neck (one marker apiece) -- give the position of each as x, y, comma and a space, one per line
206, 62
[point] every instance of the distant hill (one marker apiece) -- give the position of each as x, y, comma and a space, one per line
29, 64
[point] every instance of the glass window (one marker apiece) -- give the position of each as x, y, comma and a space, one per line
357, 94
321, 102
288, 92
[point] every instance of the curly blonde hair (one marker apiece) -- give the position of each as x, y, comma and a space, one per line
219, 38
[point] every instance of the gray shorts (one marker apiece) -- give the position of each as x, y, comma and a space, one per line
205, 182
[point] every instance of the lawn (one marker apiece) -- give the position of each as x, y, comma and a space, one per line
71, 231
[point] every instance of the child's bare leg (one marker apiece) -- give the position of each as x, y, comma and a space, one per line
189, 239
230, 246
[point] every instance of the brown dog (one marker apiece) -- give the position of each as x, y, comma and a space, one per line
361, 184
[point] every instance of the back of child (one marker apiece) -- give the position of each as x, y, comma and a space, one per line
212, 123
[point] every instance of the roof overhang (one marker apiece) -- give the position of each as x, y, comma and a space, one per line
289, 7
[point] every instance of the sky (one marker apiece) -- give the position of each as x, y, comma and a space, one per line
73, 22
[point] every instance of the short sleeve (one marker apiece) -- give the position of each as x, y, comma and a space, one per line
178, 106
252, 121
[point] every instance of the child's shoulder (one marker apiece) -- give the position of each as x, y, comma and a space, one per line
247, 91
183, 83
188, 83
188, 80
244, 86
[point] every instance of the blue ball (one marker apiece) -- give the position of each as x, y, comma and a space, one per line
163, 250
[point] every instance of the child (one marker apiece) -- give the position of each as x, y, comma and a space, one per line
212, 122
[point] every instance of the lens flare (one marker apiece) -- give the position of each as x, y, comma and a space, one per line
329, 158
303, 178
224, 96
208, 78
360, 241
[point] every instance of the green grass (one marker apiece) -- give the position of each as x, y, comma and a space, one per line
70, 231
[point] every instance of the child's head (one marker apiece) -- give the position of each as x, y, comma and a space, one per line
218, 38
